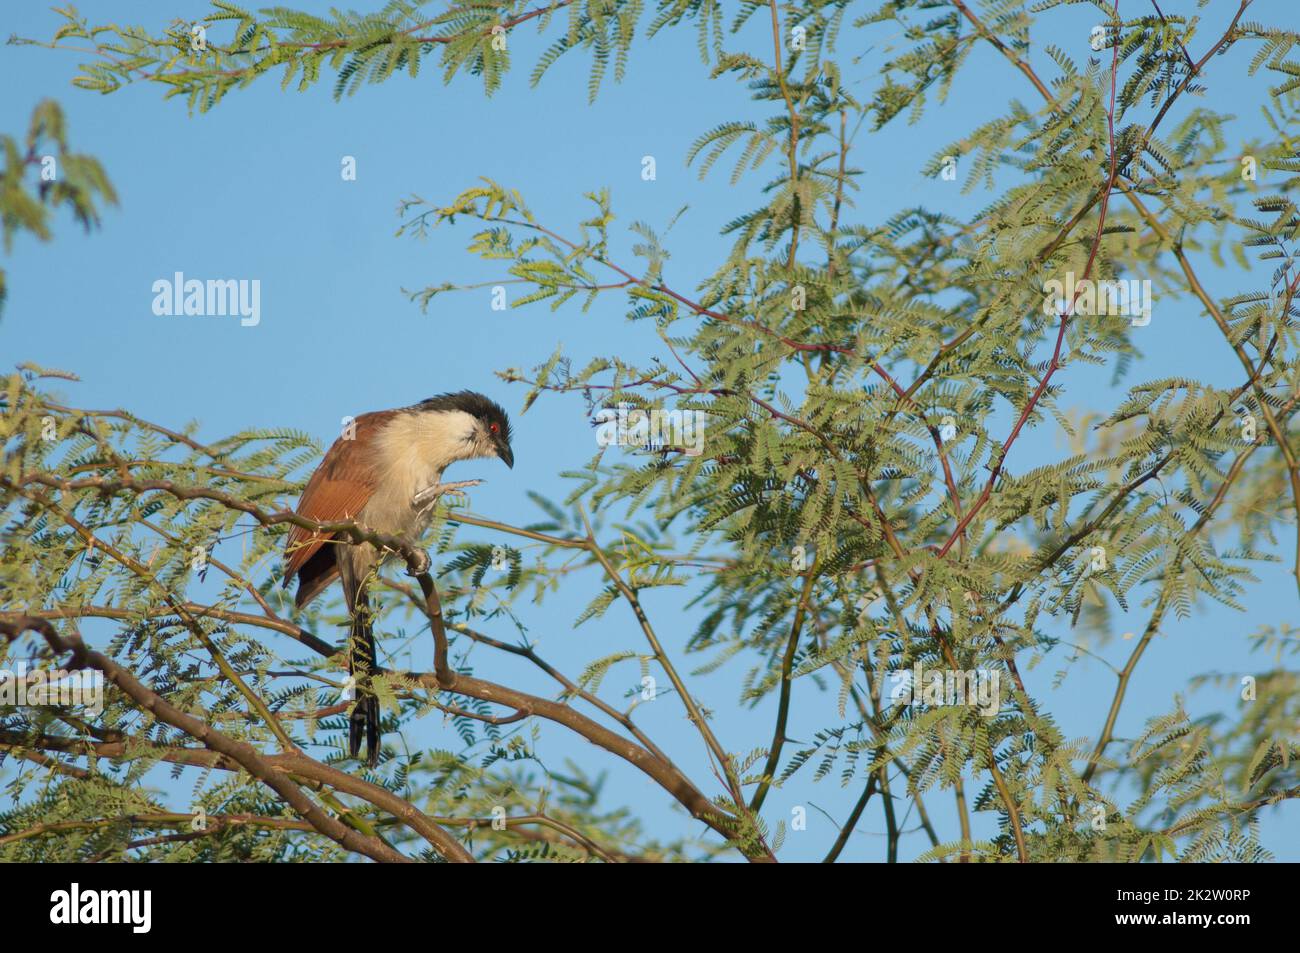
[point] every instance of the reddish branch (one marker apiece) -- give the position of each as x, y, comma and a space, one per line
751, 324
660, 770
1066, 314
248, 757
446, 678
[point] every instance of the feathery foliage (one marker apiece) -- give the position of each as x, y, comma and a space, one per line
859, 511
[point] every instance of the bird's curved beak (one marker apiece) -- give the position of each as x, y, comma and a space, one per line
507, 456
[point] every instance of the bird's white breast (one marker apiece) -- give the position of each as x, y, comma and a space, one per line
412, 451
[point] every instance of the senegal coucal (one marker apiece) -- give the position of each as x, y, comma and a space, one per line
375, 475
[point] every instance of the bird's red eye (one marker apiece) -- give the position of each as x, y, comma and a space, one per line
494, 427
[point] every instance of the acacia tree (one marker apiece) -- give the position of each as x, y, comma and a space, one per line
859, 508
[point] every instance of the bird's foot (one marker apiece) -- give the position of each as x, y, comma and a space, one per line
430, 494
419, 563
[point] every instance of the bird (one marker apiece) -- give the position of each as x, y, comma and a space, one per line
384, 472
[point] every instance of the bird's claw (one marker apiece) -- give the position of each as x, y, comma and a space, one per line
418, 564
431, 493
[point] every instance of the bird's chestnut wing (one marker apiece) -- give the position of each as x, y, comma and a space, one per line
338, 490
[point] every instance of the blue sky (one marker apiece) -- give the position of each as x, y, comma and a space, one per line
253, 189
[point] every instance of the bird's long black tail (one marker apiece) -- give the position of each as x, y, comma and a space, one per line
361, 664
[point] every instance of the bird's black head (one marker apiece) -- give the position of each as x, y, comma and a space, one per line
494, 426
